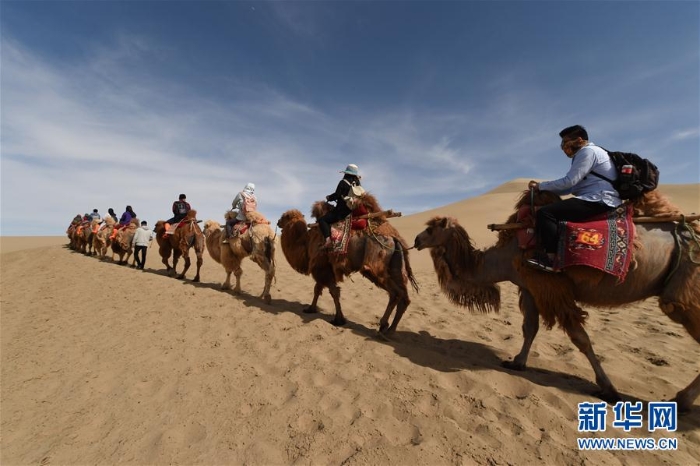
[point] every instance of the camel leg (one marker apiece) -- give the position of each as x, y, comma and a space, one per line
339, 318
176, 257
227, 283
531, 324
200, 260
689, 317
165, 262
580, 338
401, 307
186, 256
687, 396
238, 272
384, 321
269, 275
312, 309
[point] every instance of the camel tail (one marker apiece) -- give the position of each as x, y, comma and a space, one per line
409, 272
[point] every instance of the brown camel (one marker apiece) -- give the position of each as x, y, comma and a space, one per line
121, 244
187, 235
378, 253
101, 241
73, 237
257, 242
665, 264
88, 234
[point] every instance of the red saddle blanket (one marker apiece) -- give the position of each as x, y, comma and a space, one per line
604, 242
340, 235
240, 228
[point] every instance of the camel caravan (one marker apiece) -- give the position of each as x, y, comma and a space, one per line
642, 248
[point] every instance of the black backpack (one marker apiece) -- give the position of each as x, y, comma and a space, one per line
635, 175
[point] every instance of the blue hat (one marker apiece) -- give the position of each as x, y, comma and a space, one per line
351, 170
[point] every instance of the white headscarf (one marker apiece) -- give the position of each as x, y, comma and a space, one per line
249, 188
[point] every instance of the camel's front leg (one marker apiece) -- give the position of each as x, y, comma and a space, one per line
200, 260
339, 318
238, 272
226, 285
580, 338
186, 256
313, 308
176, 258
531, 324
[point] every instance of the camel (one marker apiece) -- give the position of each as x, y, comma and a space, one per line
101, 241
187, 235
665, 264
379, 254
121, 244
87, 235
258, 243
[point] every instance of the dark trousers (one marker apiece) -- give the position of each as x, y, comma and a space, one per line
573, 209
335, 215
140, 251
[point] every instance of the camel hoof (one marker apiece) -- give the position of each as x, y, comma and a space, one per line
195, 279
514, 366
180, 277
683, 406
339, 322
608, 396
310, 310
383, 336
267, 298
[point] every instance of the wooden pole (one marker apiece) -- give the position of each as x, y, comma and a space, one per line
386, 213
670, 218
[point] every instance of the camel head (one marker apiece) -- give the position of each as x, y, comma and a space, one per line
290, 216
210, 226
438, 233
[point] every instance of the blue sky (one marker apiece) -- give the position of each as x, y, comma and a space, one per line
105, 104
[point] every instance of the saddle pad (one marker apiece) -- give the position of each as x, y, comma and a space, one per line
604, 242
340, 235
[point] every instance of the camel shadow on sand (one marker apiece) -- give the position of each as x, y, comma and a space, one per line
443, 355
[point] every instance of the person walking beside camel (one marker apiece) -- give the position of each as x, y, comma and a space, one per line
142, 239
592, 195
350, 181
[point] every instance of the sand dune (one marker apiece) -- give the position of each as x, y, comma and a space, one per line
102, 364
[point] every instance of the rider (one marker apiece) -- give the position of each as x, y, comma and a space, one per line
248, 194
180, 209
341, 209
124, 221
111, 213
95, 215
591, 195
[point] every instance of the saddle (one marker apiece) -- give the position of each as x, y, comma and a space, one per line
604, 242
341, 231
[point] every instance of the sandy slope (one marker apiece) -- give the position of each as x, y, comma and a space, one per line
102, 364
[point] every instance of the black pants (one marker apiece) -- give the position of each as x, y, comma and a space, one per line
335, 215
140, 250
573, 209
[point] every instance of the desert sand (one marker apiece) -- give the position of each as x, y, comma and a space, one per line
104, 364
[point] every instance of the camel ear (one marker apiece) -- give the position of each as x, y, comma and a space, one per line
444, 222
